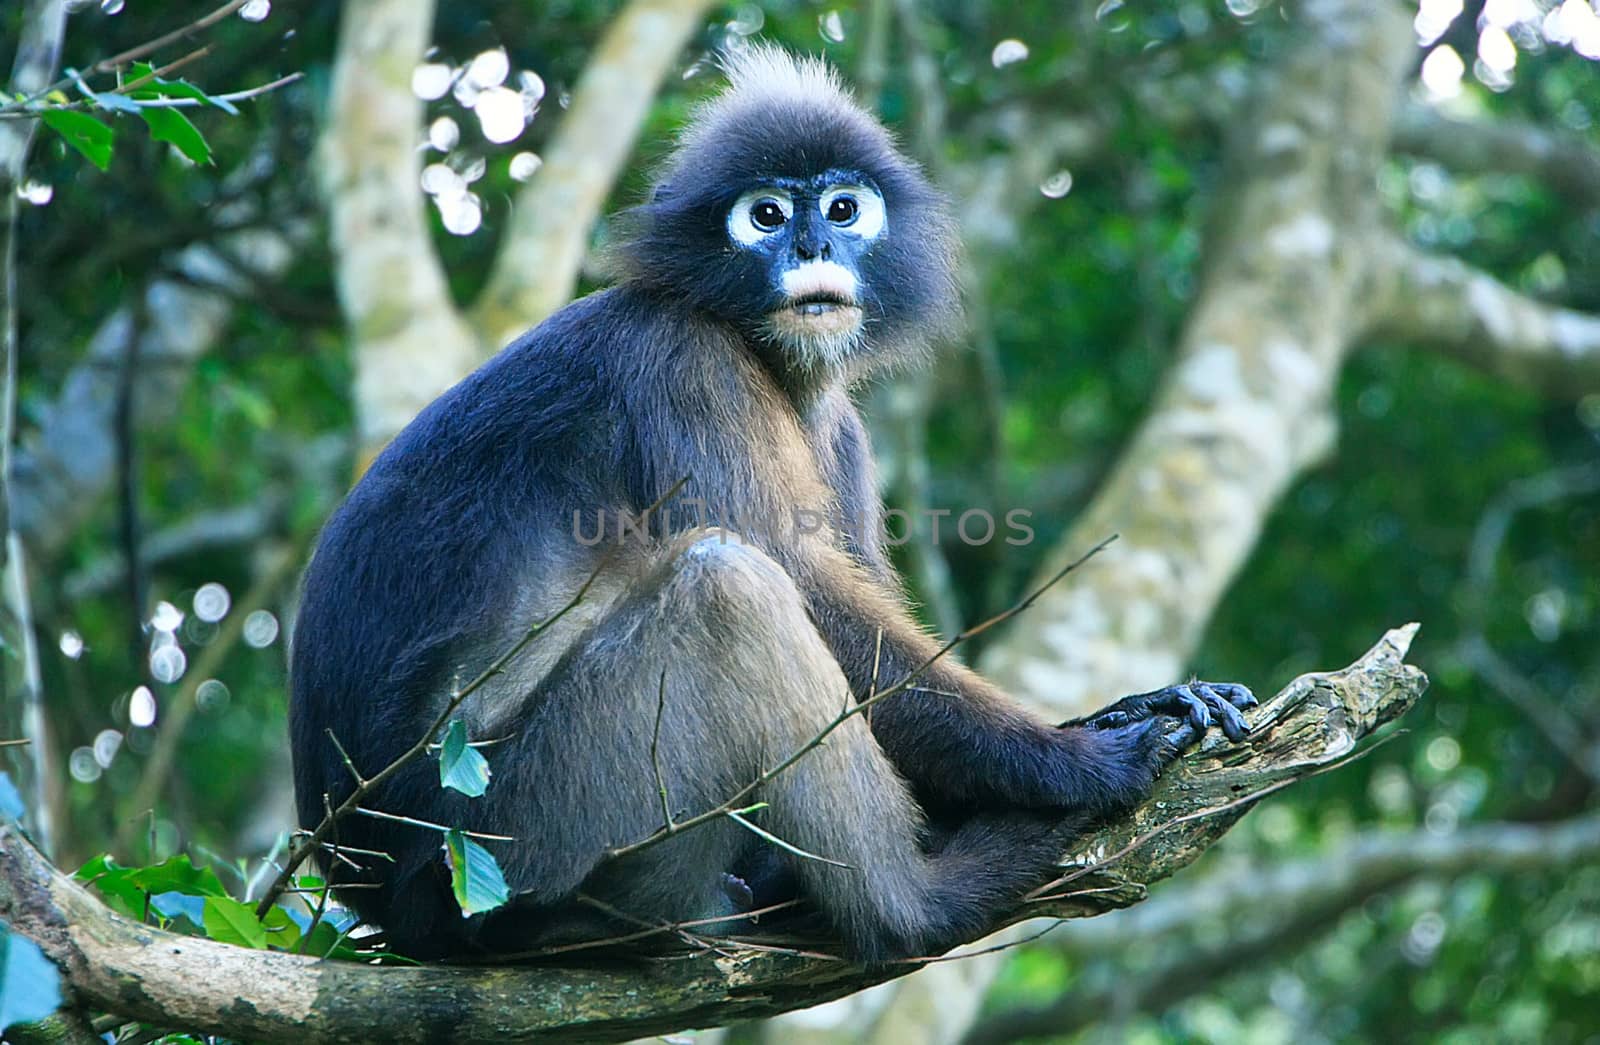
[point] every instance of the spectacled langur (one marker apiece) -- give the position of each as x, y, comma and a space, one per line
787, 251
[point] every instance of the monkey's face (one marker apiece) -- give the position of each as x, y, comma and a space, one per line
788, 213
803, 244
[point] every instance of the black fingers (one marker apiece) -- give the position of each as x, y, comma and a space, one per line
1185, 735
1208, 701
1199, 705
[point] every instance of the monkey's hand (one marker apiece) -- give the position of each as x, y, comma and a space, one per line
1114, 756
1196, 705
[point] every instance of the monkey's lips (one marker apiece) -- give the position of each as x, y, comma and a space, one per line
825, 313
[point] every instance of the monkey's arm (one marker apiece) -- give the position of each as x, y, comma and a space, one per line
957, 735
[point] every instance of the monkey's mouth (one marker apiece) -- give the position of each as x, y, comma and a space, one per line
820, 304
822, 312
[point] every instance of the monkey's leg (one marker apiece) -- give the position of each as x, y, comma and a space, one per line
717, 645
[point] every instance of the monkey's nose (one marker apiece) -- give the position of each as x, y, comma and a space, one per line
812, 251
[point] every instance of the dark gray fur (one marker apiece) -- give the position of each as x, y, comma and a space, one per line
461, 534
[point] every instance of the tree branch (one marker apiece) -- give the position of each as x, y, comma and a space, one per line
548, 235
1564, 163
1245, 408
1269, 907
138, 972
410, 342
1445, 304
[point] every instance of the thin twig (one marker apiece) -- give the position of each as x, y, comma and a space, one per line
788, 847
335, 847
160, 103
164, 71
327, 887
378, 814
655, 759
132, 54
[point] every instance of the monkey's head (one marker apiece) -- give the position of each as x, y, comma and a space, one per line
788, 211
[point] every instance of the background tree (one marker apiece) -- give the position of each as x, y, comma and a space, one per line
1204, 244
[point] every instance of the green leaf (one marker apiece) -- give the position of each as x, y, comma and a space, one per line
170, 125
282, 930
159, 88
475, 876
112, 881
461, 767
174, 905
30, 984
327, 937
11, 805
83, 132
177, 875
229, 921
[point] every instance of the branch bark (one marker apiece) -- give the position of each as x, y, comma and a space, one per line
1444, 304
410, 343
140, 973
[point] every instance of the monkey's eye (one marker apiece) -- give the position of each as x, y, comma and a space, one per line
767, 214
757, 214
858, 208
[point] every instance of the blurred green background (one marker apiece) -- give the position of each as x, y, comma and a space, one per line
1079, 303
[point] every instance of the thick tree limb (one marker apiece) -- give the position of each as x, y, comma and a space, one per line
548, 236
410, 342
1564, 163
1445, 304
137, 972
1244, 411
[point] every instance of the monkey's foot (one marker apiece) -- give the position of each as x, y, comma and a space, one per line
738, 891
1197, 705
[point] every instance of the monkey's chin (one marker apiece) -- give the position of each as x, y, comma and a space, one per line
817, 334
814, 319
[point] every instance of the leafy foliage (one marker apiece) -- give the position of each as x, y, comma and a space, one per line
30, 985
180, 897
475, 876
84, 133
461, 767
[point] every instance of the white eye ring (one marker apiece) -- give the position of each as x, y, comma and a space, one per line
870, 218
742, 227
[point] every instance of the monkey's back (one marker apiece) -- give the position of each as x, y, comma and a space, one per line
417, 577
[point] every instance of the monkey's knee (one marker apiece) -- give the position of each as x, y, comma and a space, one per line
719, 572
751, 618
